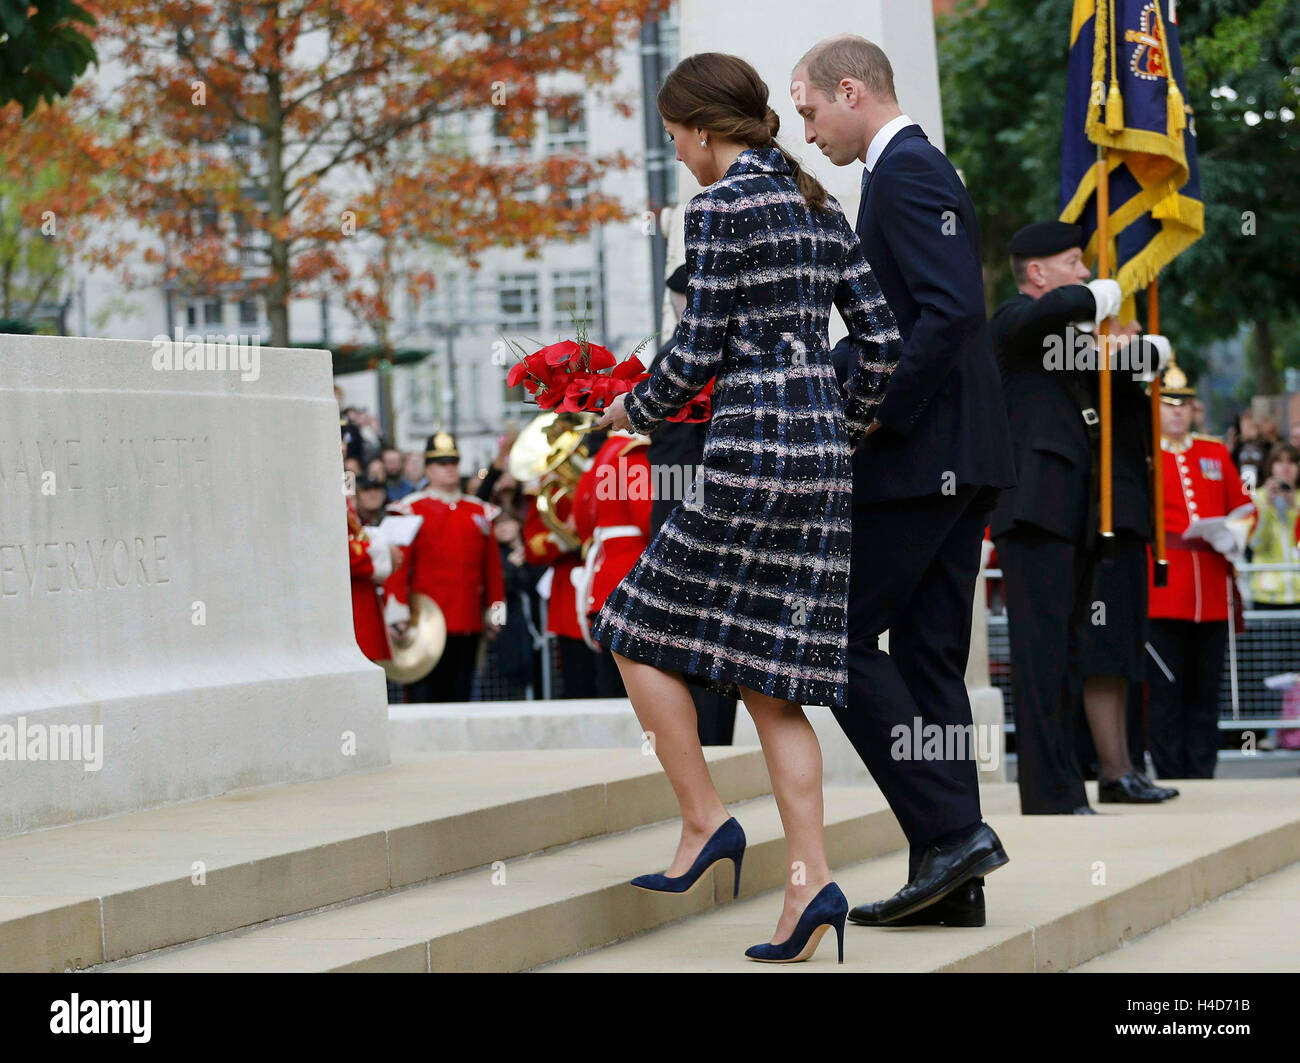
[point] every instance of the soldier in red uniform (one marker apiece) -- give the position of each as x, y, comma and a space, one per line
454, 560
1189, 617
543, 547
371, 564
612, 505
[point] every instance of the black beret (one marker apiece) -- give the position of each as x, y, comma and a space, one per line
1044, 238
677, 280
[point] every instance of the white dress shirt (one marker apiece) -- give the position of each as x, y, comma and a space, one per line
881, 140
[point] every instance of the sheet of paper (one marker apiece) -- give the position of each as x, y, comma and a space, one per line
395, 530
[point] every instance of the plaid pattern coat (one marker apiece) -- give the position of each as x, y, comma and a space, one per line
747, 582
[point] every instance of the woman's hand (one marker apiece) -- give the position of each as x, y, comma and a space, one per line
614, 417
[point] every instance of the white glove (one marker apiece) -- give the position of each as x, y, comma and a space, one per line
381, 555
396, 612
1108, 298
1164, 350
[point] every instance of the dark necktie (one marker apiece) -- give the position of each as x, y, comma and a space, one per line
862, 200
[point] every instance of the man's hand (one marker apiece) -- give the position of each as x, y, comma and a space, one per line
503, 453
1108, 296
1125, 334
614, 417
397, 632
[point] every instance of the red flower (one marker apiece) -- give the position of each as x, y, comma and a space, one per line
699, 409
630, 367
600, 357
574, 377
562, 353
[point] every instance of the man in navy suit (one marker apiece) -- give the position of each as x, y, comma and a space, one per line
925, 481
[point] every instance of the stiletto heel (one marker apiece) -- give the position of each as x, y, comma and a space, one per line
727, 843
828, 909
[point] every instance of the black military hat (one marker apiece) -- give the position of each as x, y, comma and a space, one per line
365, 482
677, 280
1042, 239
440, 445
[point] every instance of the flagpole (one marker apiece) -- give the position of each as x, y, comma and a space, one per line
1107, 529
1160, 576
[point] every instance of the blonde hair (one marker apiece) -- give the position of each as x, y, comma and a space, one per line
831, 61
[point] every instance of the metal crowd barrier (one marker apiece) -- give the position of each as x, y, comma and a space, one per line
1268, 650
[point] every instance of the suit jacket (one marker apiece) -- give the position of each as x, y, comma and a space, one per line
943, 411
676, 443
1055, 453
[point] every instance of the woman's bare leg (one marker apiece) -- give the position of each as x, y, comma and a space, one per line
663, 705
794, 764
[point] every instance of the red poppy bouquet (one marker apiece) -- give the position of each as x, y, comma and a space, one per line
578, 376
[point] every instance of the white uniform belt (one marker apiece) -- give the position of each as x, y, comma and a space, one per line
584, 577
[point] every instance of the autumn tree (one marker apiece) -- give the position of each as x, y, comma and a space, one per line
254, 141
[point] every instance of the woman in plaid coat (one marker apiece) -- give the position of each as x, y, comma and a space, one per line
745, 587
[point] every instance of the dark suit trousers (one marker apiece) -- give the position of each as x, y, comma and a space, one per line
1048, 581
1184, 712
452, 678
914, 563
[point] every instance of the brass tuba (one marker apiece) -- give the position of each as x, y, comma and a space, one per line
552, 443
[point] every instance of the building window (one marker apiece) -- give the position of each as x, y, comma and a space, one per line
212, 312
566, 126
518, 301
248, 314
572, 296
504, 122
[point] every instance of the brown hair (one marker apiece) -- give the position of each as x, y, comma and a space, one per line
849, 56
1279, 451
724, 94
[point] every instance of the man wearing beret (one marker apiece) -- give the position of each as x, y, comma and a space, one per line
1045, 527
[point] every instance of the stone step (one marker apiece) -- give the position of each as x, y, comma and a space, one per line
1077, 887
533, 910
93, 892
1250, 929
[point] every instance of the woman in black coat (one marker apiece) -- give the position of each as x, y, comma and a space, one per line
745, 587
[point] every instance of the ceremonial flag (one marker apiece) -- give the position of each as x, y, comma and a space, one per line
1125, 93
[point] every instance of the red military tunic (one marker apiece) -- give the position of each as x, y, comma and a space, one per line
367, 613
540, 548
1200, 481
454, 558
612, 503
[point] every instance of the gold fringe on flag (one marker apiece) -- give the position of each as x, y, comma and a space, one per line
1175, 106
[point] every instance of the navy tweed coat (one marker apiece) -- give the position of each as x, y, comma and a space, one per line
747, 582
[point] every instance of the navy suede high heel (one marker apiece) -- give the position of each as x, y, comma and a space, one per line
829, 908
727, 843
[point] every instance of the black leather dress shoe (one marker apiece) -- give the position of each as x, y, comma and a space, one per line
941, 871
1128, 790
1082, 810
964, 906
1167, 791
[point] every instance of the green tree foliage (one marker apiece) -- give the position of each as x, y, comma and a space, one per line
42, 52
1002, 71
